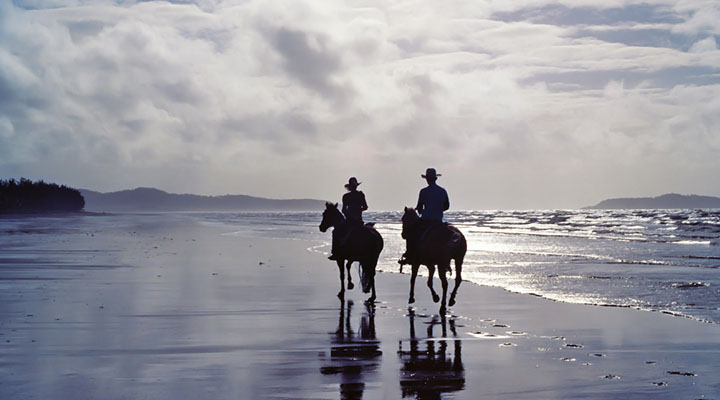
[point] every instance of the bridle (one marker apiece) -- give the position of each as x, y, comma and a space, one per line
410, 224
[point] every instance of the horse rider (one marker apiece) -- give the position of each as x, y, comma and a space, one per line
353, 205
432, 201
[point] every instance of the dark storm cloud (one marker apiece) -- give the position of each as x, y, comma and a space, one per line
309, 58
80, 30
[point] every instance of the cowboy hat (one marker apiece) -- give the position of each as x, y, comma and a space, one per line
431, 173
352, 182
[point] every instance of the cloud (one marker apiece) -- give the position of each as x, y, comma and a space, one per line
703, 17
704, 45
307, 58
548, 104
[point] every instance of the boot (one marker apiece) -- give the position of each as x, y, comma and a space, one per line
406, 258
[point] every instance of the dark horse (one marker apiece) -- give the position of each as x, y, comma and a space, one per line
436, 247
363, 244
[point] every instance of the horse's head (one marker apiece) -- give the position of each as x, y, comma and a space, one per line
331, 216
408, 220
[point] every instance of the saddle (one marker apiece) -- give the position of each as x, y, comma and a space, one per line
421, 231
347, 229
445, 228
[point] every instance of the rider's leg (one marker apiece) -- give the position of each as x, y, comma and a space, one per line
333, 249
404, 256
410, 254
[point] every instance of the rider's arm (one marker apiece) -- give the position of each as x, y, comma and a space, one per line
364, 205
345, 204
420, 204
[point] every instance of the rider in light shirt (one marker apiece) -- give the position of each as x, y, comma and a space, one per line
432, 201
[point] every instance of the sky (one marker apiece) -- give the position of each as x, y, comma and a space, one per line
518, 104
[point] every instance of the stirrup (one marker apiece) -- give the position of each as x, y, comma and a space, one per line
332, 257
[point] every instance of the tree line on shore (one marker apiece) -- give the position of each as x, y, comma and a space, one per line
28, 196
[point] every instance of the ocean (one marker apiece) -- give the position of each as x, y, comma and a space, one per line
655, 260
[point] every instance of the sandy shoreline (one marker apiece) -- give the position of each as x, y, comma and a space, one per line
157, 307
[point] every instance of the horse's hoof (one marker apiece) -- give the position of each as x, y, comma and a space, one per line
451, 302
351, 285
436, 298
411, 300
371, 300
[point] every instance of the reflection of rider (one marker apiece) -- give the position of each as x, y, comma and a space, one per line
353, 355
353, 205
432, 201
438, 369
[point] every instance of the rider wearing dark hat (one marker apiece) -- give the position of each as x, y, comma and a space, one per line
432, 202
353, 205
353, 201
433, 199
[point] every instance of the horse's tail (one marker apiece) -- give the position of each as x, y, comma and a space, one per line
366, 277
367, 267
455, 240
456, 244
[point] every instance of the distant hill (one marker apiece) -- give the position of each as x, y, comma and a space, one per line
150, 199
671, 200
26, 196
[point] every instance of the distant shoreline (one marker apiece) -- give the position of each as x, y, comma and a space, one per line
663, 202
155, 200
52, 214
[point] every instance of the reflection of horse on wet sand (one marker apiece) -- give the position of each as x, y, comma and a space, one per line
428, 372
440, 244
353, 355
363, 244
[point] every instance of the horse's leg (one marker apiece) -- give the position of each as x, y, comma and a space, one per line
373, 273
442, 271
458, 280
350, 285
431, 273
341, 293
413, 275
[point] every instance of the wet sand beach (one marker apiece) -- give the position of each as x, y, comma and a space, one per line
163, 307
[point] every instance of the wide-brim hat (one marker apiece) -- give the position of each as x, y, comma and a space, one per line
431, 173
352, 182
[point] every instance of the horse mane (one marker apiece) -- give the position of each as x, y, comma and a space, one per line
414, 211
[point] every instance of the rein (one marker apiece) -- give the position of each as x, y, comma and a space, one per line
412, 225
339, 220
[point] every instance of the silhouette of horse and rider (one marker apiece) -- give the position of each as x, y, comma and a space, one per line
353, 240
430, 241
